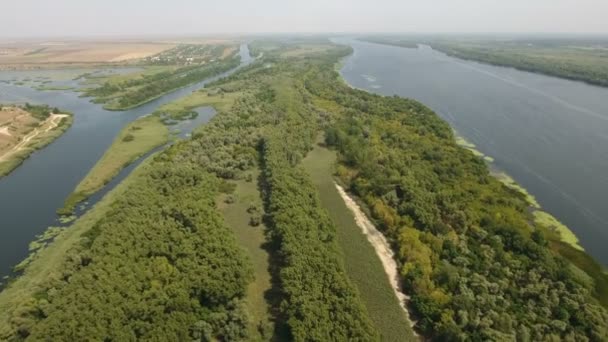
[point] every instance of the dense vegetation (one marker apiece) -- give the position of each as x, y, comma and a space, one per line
472, 262
317, 300
135, 91
162, 265
580, 60
320, 303
40, 112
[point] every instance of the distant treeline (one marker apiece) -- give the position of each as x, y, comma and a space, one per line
578, 67
578, 60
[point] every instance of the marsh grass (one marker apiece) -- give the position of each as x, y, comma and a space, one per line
362, 263
237, 214
135, 140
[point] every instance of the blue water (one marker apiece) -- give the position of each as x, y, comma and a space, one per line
550, 134
31, 194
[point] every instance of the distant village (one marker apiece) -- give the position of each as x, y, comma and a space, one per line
187, 55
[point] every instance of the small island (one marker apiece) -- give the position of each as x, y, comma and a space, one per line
27, 128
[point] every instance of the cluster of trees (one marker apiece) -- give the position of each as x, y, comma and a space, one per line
471, 260
161, 265
273, 116
40, 112
134, 92
319, 302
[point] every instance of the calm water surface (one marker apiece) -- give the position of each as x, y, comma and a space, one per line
550, 134
30, 195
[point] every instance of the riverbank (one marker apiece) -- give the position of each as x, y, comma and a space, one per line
563, 240
136, 139
130, 91
563, 59
22, 133
48, 262
72, 156
541, 217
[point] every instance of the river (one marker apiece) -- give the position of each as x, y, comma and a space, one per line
549, 134
31, 194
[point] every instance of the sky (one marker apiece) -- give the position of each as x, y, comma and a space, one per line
44, 18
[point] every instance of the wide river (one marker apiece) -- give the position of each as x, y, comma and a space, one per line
31, 194
549, 134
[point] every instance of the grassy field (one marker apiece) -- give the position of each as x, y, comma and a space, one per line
201, 98
362, 263
42, 54
47, 263
135, 140
238, 215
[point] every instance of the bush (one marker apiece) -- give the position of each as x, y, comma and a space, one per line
255, 220
129, 137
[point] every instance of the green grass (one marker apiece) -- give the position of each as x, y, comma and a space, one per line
565, 234
48, 261
146, 133
556, 228
362, 263
120, 78
221, 102
252, 239
52, 88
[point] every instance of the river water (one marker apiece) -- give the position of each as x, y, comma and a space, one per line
31, 194
549, 134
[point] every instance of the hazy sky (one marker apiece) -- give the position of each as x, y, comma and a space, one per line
170, 17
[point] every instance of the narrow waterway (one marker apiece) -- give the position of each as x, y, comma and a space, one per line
31, 194
550, 134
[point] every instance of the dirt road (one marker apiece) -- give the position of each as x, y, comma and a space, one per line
51, 123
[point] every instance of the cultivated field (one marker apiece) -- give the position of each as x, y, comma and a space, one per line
41, 54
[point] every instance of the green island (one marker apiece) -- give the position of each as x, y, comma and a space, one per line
139, 138
25, 129
576, 59
236, 234
162, 73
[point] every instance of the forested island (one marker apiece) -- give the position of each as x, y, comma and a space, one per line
158, 259
27, 128
575, 59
